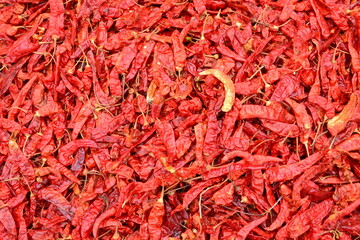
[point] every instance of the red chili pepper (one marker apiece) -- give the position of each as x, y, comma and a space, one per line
108, 213
89, 218
166, 132
347, 193
108, 129
53, 162
338, 123
125, 57
21, 97
244, 232
7, 220
71, 147
350, 144
22, 46
264, 112
10, 125
195, 191
155, 219
58, 200
71, 87
225, 195
286, 172
18, 162
300, 183
18, 214
310, 219
141, 58
56, 21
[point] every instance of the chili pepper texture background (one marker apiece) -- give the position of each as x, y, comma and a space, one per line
179, 119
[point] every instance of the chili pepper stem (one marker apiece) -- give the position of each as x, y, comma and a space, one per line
307, 148
266, 140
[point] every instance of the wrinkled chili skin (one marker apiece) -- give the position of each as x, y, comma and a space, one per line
179, 119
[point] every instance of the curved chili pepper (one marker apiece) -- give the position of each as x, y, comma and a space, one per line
68, 149
108, 213
228, 85
347, 193
89, 218
244, 232
58, 200
338, 123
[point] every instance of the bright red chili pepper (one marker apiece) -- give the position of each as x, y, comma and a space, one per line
109, 130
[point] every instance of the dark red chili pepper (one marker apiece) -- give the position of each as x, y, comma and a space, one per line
58, 200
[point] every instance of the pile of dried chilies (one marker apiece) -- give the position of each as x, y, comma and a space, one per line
179, 119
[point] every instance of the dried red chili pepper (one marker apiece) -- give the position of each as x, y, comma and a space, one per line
350, 144
331, 221
311, 218
8, 220
347, 193
89, 218
228, 85
68, 149
109, 131
53, 162
58, 200
338, 123
287, 172
155, 219
282, 216
264, 112
244, 232
21, 97
18, 214
22, 46
167, 134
